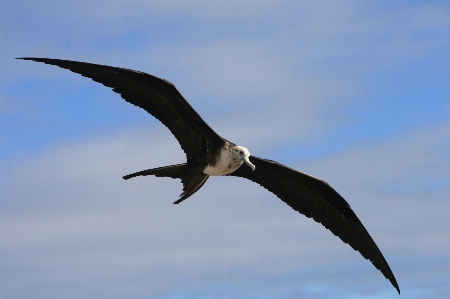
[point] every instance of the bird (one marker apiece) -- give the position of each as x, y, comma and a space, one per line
208, 154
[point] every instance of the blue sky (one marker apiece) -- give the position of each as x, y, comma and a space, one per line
353, 92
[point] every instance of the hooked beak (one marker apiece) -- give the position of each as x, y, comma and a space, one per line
247, 161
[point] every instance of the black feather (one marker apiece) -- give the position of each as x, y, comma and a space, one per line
306, 194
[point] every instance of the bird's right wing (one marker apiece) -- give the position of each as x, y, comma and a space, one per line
157, 96
316, 199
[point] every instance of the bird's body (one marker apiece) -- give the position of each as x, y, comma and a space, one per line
228, 160
208, 154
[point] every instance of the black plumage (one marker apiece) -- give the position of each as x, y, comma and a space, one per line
304, 193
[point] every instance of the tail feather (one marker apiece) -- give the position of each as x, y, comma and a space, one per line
173, 171
191, 183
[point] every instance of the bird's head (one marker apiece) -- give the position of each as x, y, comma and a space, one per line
244, 154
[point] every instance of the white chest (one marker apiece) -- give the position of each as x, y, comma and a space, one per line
228, 162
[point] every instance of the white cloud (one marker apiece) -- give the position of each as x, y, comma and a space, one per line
68, 208
318, 63
71, 227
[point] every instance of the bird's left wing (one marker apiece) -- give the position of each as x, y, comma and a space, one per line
316, 199
158, 97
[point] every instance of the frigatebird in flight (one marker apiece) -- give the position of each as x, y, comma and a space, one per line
208, 154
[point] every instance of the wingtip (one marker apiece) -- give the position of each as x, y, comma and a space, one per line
395, 284
37, 59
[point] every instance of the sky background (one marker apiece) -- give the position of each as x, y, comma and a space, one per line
356, 93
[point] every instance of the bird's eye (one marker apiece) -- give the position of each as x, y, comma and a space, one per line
241, 152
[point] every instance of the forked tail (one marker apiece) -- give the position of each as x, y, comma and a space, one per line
191, 182
172, 171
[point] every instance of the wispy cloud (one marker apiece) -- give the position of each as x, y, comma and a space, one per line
363, 86
69, 209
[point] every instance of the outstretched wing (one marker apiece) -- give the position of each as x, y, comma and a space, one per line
316, 199
158, 97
